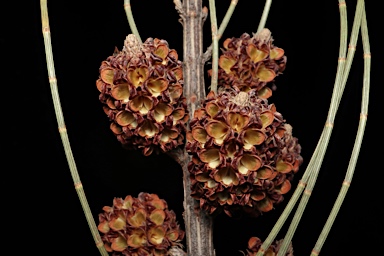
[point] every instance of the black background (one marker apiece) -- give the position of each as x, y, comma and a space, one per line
38, 188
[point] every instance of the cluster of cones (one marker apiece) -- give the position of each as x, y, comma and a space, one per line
243, 153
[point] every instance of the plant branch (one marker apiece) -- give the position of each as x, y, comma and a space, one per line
314, 163
198, 224
292, 201
63, 130
356, 149
336, 97
226, 18
131, 21
264, 16
179, 7
215, 49
223, 26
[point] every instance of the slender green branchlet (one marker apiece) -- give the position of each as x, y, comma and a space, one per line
63, 130
131, 21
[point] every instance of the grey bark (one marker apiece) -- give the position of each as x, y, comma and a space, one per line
198, 224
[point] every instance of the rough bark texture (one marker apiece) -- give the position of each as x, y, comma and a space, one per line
198, 225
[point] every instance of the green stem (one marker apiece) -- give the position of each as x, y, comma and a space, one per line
131, 21
291, 203
226, 18
215, 49
223, 26
356, 149
264, 16
307, 192
62, 129
314, 161
336, 97
350, 54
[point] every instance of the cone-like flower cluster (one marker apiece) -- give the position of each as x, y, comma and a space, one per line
255, 243
139, 226
251, 63
141, 88
243, 153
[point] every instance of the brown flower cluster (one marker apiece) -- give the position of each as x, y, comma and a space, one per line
139, 226
251, 63
141, 88
255, 243
243, 153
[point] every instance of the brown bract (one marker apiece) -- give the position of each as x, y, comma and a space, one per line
139, 226
141, 88
243, 153
255, 243
251, 63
